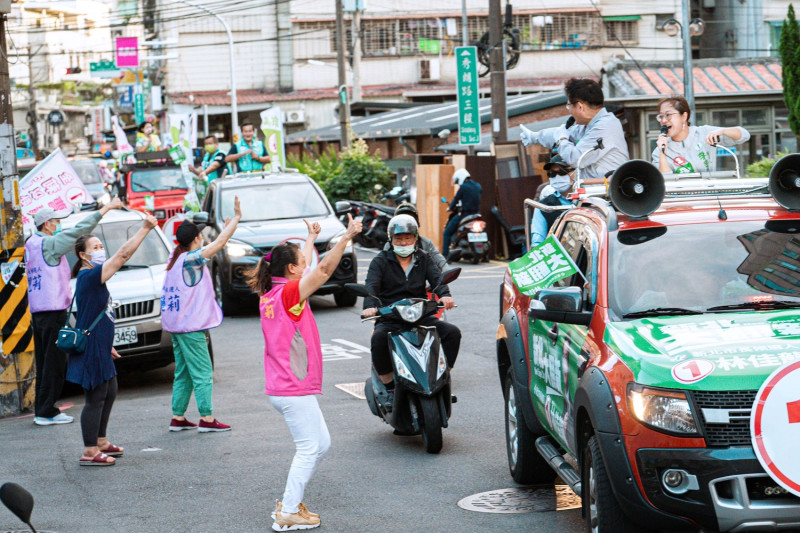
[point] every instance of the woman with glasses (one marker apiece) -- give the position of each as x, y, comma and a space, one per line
682, 148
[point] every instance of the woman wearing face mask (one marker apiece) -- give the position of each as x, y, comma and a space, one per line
685, 148
147, 139
560, 176
94, 368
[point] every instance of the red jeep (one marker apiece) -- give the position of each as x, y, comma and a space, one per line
156, 175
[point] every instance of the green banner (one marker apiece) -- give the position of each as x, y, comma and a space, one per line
469, 114
138, 107
542, 266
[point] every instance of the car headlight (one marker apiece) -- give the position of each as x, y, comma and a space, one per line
402, 369
663, 410
239, 249
411, 313
160, 214
338, 238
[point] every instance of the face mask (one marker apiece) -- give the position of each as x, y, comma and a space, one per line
403, 251
211, 148
98, 257
58, 229
560, 183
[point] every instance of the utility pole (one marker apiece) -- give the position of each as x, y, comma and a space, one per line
356, 55
688, 75
344, 99
33, 132
497, 68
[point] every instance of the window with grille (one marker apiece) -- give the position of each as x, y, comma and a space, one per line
552, 31
626, 31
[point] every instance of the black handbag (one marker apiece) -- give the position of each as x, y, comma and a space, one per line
72, 341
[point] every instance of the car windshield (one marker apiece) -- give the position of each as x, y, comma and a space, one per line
705, 268
275, 202
152, 251
158, 179
87, 171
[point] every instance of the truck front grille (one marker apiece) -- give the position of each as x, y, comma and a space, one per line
134, 309
735, 406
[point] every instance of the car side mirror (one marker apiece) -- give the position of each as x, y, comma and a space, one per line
342, 207
560, 304
200, 217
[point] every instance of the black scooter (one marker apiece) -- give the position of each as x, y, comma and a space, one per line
471, 242
422, 401
19, 501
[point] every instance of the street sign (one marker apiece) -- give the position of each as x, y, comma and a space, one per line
127, 52
469, 114
138, 107
104, 69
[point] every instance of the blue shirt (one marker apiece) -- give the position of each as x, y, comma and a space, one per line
581, 138
94, 366
539, 226
470, 196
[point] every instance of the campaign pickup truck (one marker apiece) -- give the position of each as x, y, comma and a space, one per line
634, 379
156, 184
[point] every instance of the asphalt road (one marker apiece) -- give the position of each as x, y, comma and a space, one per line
370, 481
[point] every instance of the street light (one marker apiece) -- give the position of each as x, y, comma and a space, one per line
694, 28
234, 109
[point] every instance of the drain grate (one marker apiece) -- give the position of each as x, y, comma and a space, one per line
523, 500
353, 389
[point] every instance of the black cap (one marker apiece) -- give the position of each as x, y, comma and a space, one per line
557, 160
187, 232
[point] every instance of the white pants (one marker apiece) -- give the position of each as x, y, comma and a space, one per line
311, 438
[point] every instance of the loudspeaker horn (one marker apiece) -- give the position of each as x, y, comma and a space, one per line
636, 188
784, 181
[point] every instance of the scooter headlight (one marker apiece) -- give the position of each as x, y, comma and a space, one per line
402, 369
442, 366
411, 313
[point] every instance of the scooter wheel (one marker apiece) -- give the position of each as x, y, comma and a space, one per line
431, 424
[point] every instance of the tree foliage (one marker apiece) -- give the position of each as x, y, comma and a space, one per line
789, 48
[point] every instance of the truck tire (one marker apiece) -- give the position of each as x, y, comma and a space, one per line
601, 510
527, 467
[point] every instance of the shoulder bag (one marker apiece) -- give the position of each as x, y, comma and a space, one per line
72, 341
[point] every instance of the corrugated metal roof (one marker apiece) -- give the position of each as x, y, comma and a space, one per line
513, 135
427, 120
728, 76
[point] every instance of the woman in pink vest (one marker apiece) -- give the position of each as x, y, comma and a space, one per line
188, 309
293, 360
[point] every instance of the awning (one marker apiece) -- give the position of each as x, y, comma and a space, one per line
614, 18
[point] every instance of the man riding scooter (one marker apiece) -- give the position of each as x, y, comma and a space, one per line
400, 273
469, 194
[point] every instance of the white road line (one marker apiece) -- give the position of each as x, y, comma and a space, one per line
352, 345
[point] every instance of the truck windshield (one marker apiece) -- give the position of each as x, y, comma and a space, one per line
276, 201
717, 267
152, 251
87, 171
157, 179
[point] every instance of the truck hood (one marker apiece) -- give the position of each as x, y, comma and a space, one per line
730, 351
135, 284
271, 232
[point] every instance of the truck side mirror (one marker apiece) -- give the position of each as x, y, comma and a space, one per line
342, 207
560, 304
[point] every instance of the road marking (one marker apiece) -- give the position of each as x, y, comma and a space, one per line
353, 389
352, 345
334, 352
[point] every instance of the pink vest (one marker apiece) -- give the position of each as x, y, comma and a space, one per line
184, 308
48, 286
292, 351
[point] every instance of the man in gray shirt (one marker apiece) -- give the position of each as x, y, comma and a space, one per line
585, 102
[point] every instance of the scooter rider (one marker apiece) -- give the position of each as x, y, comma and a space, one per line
407, 208
469, 194
398, 274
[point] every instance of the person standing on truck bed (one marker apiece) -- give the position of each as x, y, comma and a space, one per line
248, 153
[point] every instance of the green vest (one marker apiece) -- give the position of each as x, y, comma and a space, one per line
207, 159
247, 163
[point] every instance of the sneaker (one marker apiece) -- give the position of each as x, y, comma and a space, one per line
214, 425
60, 418
301, 509
293, 522
180, 425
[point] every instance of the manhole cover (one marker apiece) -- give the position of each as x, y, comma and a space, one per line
353, 389
523, 500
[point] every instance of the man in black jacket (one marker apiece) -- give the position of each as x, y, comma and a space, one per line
400, 273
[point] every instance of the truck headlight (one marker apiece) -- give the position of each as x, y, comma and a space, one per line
661, 409
160, 214
411, 313
338, 238
239, 249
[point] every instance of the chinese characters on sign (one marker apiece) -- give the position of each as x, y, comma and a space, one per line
127, 52
469, 114
272, 127
541, 267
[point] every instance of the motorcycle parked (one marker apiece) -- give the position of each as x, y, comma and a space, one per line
375, 224
471, 242
422, 401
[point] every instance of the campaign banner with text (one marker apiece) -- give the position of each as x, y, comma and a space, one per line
542, 266
52, 183
272, 127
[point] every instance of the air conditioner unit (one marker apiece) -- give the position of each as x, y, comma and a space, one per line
294, 117
428, 70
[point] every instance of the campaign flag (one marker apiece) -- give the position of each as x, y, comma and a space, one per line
52, 183
272, 127
542, 266
127, 52
182, 131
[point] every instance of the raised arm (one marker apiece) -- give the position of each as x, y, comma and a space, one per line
228, 228
112, 265
313, 232
317, 277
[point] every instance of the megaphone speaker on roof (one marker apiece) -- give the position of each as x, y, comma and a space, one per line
784, 181
636, 188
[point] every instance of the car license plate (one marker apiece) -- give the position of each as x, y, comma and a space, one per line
125, 336
477, 237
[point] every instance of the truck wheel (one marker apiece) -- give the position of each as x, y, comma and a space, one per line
527, 467
600, 507
345, 298
431, 424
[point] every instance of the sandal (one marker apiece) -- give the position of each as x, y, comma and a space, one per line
113, 451
100, 459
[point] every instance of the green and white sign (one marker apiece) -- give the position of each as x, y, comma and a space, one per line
542, 266
104, 69
272, 127
138, 107
469, 114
